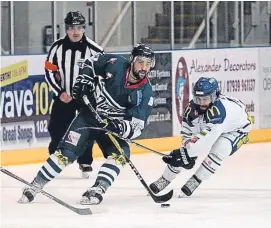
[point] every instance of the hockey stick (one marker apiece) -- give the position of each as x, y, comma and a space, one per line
128, 140
157, 199
80, 211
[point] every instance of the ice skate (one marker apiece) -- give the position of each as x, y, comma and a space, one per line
29, 193
190, 186
86, 169
159, 185
92, 196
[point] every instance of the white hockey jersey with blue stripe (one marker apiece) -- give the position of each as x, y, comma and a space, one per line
201, 129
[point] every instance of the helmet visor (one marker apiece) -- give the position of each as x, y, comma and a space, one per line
144, 60
80, 28
203, 100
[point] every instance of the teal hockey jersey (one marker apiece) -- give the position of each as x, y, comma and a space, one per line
115, 96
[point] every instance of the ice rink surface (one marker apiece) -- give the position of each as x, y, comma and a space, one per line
238, 196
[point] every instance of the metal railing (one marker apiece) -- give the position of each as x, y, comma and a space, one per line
208, 25
209, 13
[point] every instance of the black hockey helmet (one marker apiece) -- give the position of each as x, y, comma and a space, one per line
145, 51
74, 18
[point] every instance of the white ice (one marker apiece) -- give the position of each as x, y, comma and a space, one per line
239, 195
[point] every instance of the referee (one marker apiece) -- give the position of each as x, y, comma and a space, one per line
61, 70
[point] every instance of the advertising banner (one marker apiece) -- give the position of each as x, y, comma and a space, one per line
159, 123
236, 71
160, 120
26, 102
265, 87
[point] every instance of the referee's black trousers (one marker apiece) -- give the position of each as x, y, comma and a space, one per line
61, 117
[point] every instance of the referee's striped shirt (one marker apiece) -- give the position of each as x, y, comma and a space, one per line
63, 57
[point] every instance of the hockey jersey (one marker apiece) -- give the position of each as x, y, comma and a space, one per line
115, 96
201, 129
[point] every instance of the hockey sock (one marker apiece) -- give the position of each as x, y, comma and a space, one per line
108, 173
52, 167
171, 172
208, 167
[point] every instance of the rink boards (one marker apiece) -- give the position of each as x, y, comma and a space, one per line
36, 155
26, 99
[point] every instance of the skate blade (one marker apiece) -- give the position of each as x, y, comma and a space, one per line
87, 201
182, 195
23, 200
85, 175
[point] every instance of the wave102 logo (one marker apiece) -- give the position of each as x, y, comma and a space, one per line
267, 80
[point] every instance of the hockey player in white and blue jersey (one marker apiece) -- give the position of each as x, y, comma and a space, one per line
212, 123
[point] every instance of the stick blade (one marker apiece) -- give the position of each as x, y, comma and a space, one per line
82, 211
162, 198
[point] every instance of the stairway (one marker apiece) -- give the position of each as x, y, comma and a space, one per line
186, 23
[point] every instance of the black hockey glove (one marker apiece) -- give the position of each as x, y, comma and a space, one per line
180, 158
83, 87
117, 126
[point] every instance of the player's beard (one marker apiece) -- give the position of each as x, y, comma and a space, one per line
204, 107
139, 75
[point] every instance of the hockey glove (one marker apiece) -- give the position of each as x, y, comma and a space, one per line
117, 126
179, 158
83, 87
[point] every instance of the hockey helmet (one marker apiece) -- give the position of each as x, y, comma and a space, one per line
206, 87
144, 51
74, 18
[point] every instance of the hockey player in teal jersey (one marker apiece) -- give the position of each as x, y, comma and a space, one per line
120, 92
